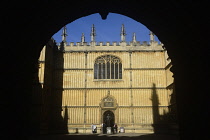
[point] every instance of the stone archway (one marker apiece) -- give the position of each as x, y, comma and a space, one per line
178, 25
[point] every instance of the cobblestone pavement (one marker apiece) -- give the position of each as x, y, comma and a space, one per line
119, 136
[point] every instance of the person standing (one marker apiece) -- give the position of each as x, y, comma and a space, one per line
115, 128
103, 128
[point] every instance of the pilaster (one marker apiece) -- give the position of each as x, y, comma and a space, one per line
85, 93
131, 92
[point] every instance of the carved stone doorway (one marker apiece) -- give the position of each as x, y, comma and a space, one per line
109, 118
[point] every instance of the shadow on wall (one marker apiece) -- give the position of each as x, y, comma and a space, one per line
57, 123
36, 104
166, 123
49, 98
65, 121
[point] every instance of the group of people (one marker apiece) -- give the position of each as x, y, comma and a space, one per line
114, 128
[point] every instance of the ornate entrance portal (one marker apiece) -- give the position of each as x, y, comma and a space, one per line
109, 118
108, 110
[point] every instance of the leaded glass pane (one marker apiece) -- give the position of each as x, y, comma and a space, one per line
108, 67
95, 71
108, 70
116, 71
120, 70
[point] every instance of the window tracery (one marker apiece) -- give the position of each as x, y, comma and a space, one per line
108, 67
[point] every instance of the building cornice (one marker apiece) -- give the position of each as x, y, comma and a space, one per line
123, 68
111, 88
73, 106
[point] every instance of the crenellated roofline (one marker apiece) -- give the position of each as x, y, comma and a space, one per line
114, 46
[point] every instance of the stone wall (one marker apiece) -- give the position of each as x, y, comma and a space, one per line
82, 94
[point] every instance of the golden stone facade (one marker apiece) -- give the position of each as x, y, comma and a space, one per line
140, 101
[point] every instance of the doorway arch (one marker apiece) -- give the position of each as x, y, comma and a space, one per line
109, 118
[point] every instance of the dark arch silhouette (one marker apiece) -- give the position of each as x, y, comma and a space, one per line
26, 28
109, 118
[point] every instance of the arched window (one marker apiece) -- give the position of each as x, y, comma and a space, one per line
108, 67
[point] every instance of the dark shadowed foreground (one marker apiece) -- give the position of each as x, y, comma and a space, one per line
120, 136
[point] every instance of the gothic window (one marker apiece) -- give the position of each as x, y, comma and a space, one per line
108, 67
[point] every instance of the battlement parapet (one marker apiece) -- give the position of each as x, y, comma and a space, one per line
113, 46
137, 43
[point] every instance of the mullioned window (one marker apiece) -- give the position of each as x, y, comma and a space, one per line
108, 67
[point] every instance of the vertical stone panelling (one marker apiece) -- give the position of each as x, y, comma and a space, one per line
42, 54
91, 59
73, 98
92, 83
41, 72
125, 59
146, 115
142, 97
95, 96
75, 115
73, 79
137, 79
71, 60
125, 116
167, 58
138, 115
93, 115
148, 60
90, 80
169, 76
65, 57
163, 97
122, 96
84, 112
145, 78
143, 115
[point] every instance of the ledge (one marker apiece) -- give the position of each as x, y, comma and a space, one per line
144, 68
82, 106
78, 69
89, 88
107, 80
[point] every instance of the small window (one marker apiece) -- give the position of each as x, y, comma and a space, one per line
108, 67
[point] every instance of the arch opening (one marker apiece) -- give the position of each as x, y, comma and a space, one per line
171, 24
81, 63
109, 118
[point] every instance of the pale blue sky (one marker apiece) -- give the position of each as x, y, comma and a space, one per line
106, 30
